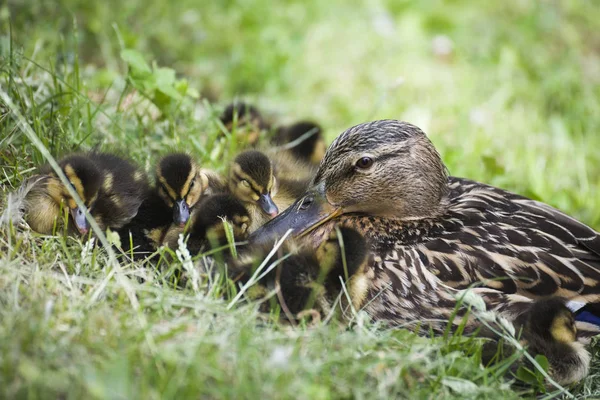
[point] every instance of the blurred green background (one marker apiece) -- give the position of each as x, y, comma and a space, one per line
509, 91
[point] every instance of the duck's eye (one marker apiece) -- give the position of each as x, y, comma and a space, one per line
245, 183
364, 162
192, 183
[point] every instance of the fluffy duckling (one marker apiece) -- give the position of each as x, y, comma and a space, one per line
247, 121
312, 279
180, 183
253, 181
549, 329
111, 188
206, 227
303, 140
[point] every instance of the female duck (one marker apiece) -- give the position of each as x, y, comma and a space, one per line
432, 235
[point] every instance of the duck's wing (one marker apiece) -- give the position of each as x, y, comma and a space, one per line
512, 244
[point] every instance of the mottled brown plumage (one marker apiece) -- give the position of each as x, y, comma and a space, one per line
432, 235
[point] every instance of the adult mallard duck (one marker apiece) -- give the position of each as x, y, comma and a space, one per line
432, 235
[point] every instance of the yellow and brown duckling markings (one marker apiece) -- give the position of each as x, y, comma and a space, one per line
86, 179
251, 180
180, 184
303, 140
432, 235
549, 328
312, 279
246, 120
206, 227
91, 175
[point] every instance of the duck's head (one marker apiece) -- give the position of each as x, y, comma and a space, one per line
208, 221
251, 180
86, 178
180, 184
383, 168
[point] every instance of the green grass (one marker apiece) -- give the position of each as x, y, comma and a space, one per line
516, 104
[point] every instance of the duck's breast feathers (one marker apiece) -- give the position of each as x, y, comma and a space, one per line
511, 243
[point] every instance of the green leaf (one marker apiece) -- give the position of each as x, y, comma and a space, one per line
542, 361
164, 77
526, 375
459, 385
136, 62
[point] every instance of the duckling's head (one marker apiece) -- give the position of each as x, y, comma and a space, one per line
87, 179
180, 184
247, 119
383, 168
550, 319
251, 180
306, 138
213, 210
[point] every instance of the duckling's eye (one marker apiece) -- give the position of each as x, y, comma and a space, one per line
192, 183
245, 183
306, 203
364, 162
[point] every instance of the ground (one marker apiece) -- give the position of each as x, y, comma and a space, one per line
509, 92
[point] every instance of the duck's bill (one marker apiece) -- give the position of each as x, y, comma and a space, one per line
267, 205
81, 223
306, 214
181, 212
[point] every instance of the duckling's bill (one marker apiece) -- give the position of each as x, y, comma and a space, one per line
83, 226
181, 212
265, 201
306, 214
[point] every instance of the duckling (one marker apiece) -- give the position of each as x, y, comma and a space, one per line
304, 140
306, 278
252, 180
180, 183
247, 121
111, 188
206, 227
546, 327
549, 329
433, 235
